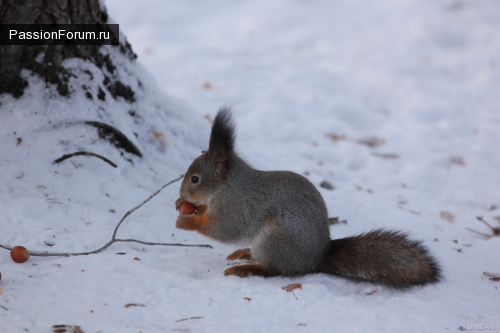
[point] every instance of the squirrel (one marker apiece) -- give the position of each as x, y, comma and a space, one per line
283, 218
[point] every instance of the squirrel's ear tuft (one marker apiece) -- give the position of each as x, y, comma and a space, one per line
222, 137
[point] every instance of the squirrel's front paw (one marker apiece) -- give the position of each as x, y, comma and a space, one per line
178, 204
183, 222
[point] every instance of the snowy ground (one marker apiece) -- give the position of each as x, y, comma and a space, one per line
312, 84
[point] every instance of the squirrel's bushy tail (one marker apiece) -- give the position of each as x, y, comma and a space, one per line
383, 257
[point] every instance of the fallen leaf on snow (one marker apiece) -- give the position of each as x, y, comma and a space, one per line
158, 135
372, 142
207, 117
292, 286
161, 139
447, 216
492, 276
128, 305
336, 137
66, 329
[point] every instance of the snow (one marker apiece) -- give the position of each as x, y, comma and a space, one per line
418, 78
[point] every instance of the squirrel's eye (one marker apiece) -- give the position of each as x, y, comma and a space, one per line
195, 179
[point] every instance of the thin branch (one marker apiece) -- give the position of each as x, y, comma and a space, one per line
496, 231
164, 244
485, 236
141, 204
84, 153
480, 218
113, 238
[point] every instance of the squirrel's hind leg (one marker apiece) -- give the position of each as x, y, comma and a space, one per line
243, 254
247, 270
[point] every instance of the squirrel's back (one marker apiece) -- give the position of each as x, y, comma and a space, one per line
280, 214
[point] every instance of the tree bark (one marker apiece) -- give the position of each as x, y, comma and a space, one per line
46, 60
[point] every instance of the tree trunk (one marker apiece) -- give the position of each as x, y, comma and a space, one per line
45, 60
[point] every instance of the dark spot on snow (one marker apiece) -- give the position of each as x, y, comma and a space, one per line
89, 74
118, 89
101, 94
89, 95
106, 80
109, 64
327, 185
16, 87
127, 50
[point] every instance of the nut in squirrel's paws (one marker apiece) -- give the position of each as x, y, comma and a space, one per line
187, 208
197, 221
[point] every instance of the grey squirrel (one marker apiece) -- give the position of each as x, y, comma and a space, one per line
283, 218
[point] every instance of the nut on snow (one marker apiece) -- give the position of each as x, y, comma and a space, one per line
19, 254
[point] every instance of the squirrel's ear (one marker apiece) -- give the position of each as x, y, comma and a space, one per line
222, 141
222, 137
218, 154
